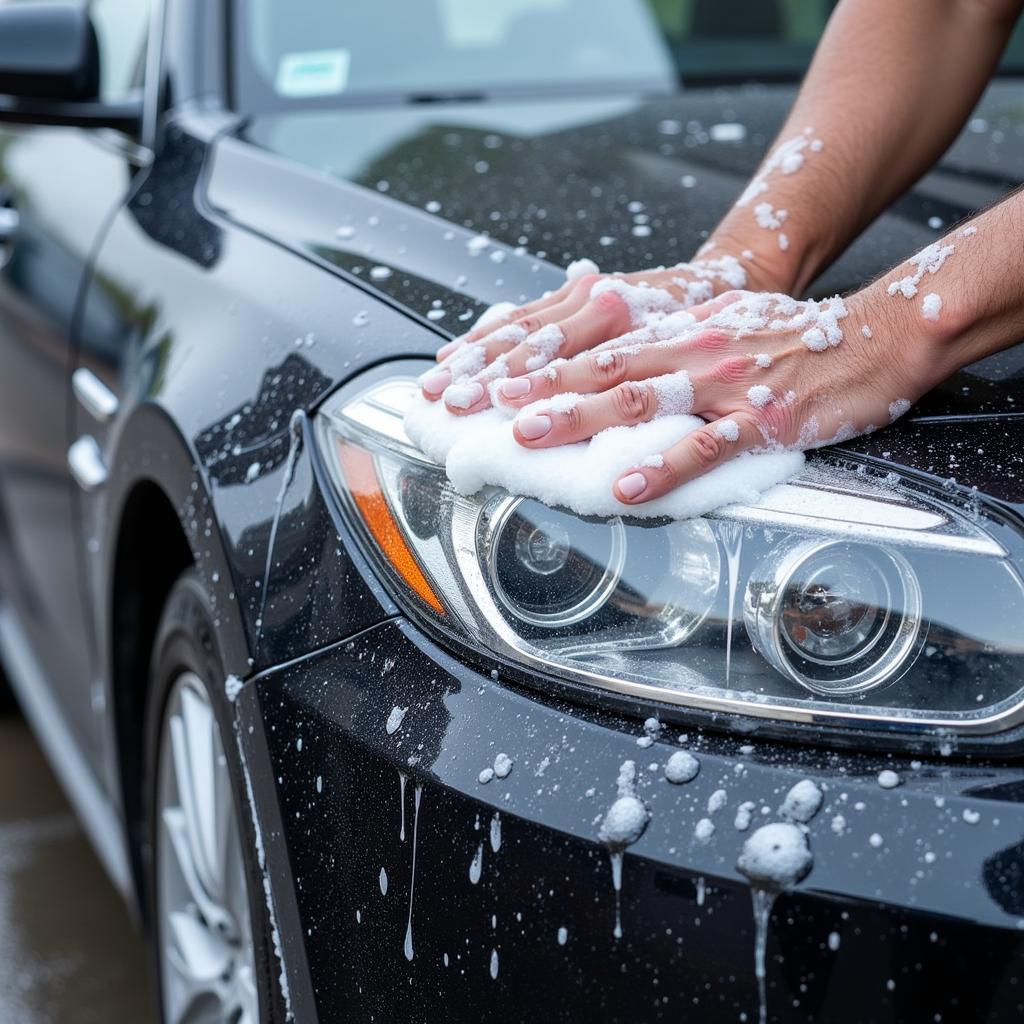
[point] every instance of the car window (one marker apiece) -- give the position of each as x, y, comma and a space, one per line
756, 39
121, 26
303, 50
300, 51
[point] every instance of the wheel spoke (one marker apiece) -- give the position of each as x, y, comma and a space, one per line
216, 916
208, 951
199, 728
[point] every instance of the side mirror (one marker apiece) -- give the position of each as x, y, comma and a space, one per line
50, 69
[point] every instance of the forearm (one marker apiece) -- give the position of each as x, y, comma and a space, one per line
890, 86
970, 307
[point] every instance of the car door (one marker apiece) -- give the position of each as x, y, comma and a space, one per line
58, 186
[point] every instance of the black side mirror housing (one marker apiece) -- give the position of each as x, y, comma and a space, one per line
50, 69
49, 51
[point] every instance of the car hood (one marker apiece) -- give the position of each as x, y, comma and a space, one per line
394, 199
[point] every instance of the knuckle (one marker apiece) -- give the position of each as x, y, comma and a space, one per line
609, 304
776, 421
632, 401
609, 367
708, 447
582, 285
711, 341
530, 323
572, 419
667, 476
730, 371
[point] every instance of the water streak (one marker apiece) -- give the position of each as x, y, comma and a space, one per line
616, 859
294, 446
383, 882
763, 902
401, 786
412, 881
732, 540
477, 866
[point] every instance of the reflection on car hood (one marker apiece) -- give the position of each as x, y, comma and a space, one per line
631, 182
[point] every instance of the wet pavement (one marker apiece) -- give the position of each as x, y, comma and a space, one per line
69, 952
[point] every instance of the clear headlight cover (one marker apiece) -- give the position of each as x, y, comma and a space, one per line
843, 597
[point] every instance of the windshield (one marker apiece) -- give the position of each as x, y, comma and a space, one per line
316, 49
322, 52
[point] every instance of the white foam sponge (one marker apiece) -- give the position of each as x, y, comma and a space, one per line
480, 449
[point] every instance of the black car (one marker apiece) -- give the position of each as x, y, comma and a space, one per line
348, 740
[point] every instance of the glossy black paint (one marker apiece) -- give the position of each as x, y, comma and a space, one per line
939, 900
207, 285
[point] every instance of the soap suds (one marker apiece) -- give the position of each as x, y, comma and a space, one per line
674, 393
481, 450
776, 856
704, 830
888, 779
545, 345
622, 825
729, 429
759, 395
641, 302
928, 261
802, 801
762, 360
394, 722
581, 268
502, 765
681, 767
931, 306
898, 408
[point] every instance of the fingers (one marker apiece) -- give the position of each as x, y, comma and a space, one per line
550, 337
571, 297
599, 320
569, 418
608, 367
697, 453
716, 305
467, 356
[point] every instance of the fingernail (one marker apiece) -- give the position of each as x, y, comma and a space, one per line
632, 485
462, 396
446, 350
434, 383
533, 427
516, 387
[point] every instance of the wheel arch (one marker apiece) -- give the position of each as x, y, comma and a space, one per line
162, 522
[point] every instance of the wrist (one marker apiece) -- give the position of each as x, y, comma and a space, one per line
784, 249
769, 266
918, 351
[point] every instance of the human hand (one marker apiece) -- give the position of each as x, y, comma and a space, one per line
765, 370
589, 309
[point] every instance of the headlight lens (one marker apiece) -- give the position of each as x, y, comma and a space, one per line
841, 597
833, 616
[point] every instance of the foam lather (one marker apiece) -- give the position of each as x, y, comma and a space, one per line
480, 449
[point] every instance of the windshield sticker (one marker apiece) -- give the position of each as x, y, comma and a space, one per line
313, 73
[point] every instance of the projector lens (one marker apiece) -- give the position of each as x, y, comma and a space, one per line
551, 569
836, 618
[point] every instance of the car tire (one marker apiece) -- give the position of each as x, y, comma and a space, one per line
210, 928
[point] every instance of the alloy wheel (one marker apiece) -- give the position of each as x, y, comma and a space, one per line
207, 951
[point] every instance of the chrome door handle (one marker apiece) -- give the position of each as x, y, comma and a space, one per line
85, 460
10, 221
93, 395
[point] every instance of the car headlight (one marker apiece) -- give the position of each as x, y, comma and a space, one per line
843, 597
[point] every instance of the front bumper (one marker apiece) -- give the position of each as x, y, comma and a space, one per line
925, 926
